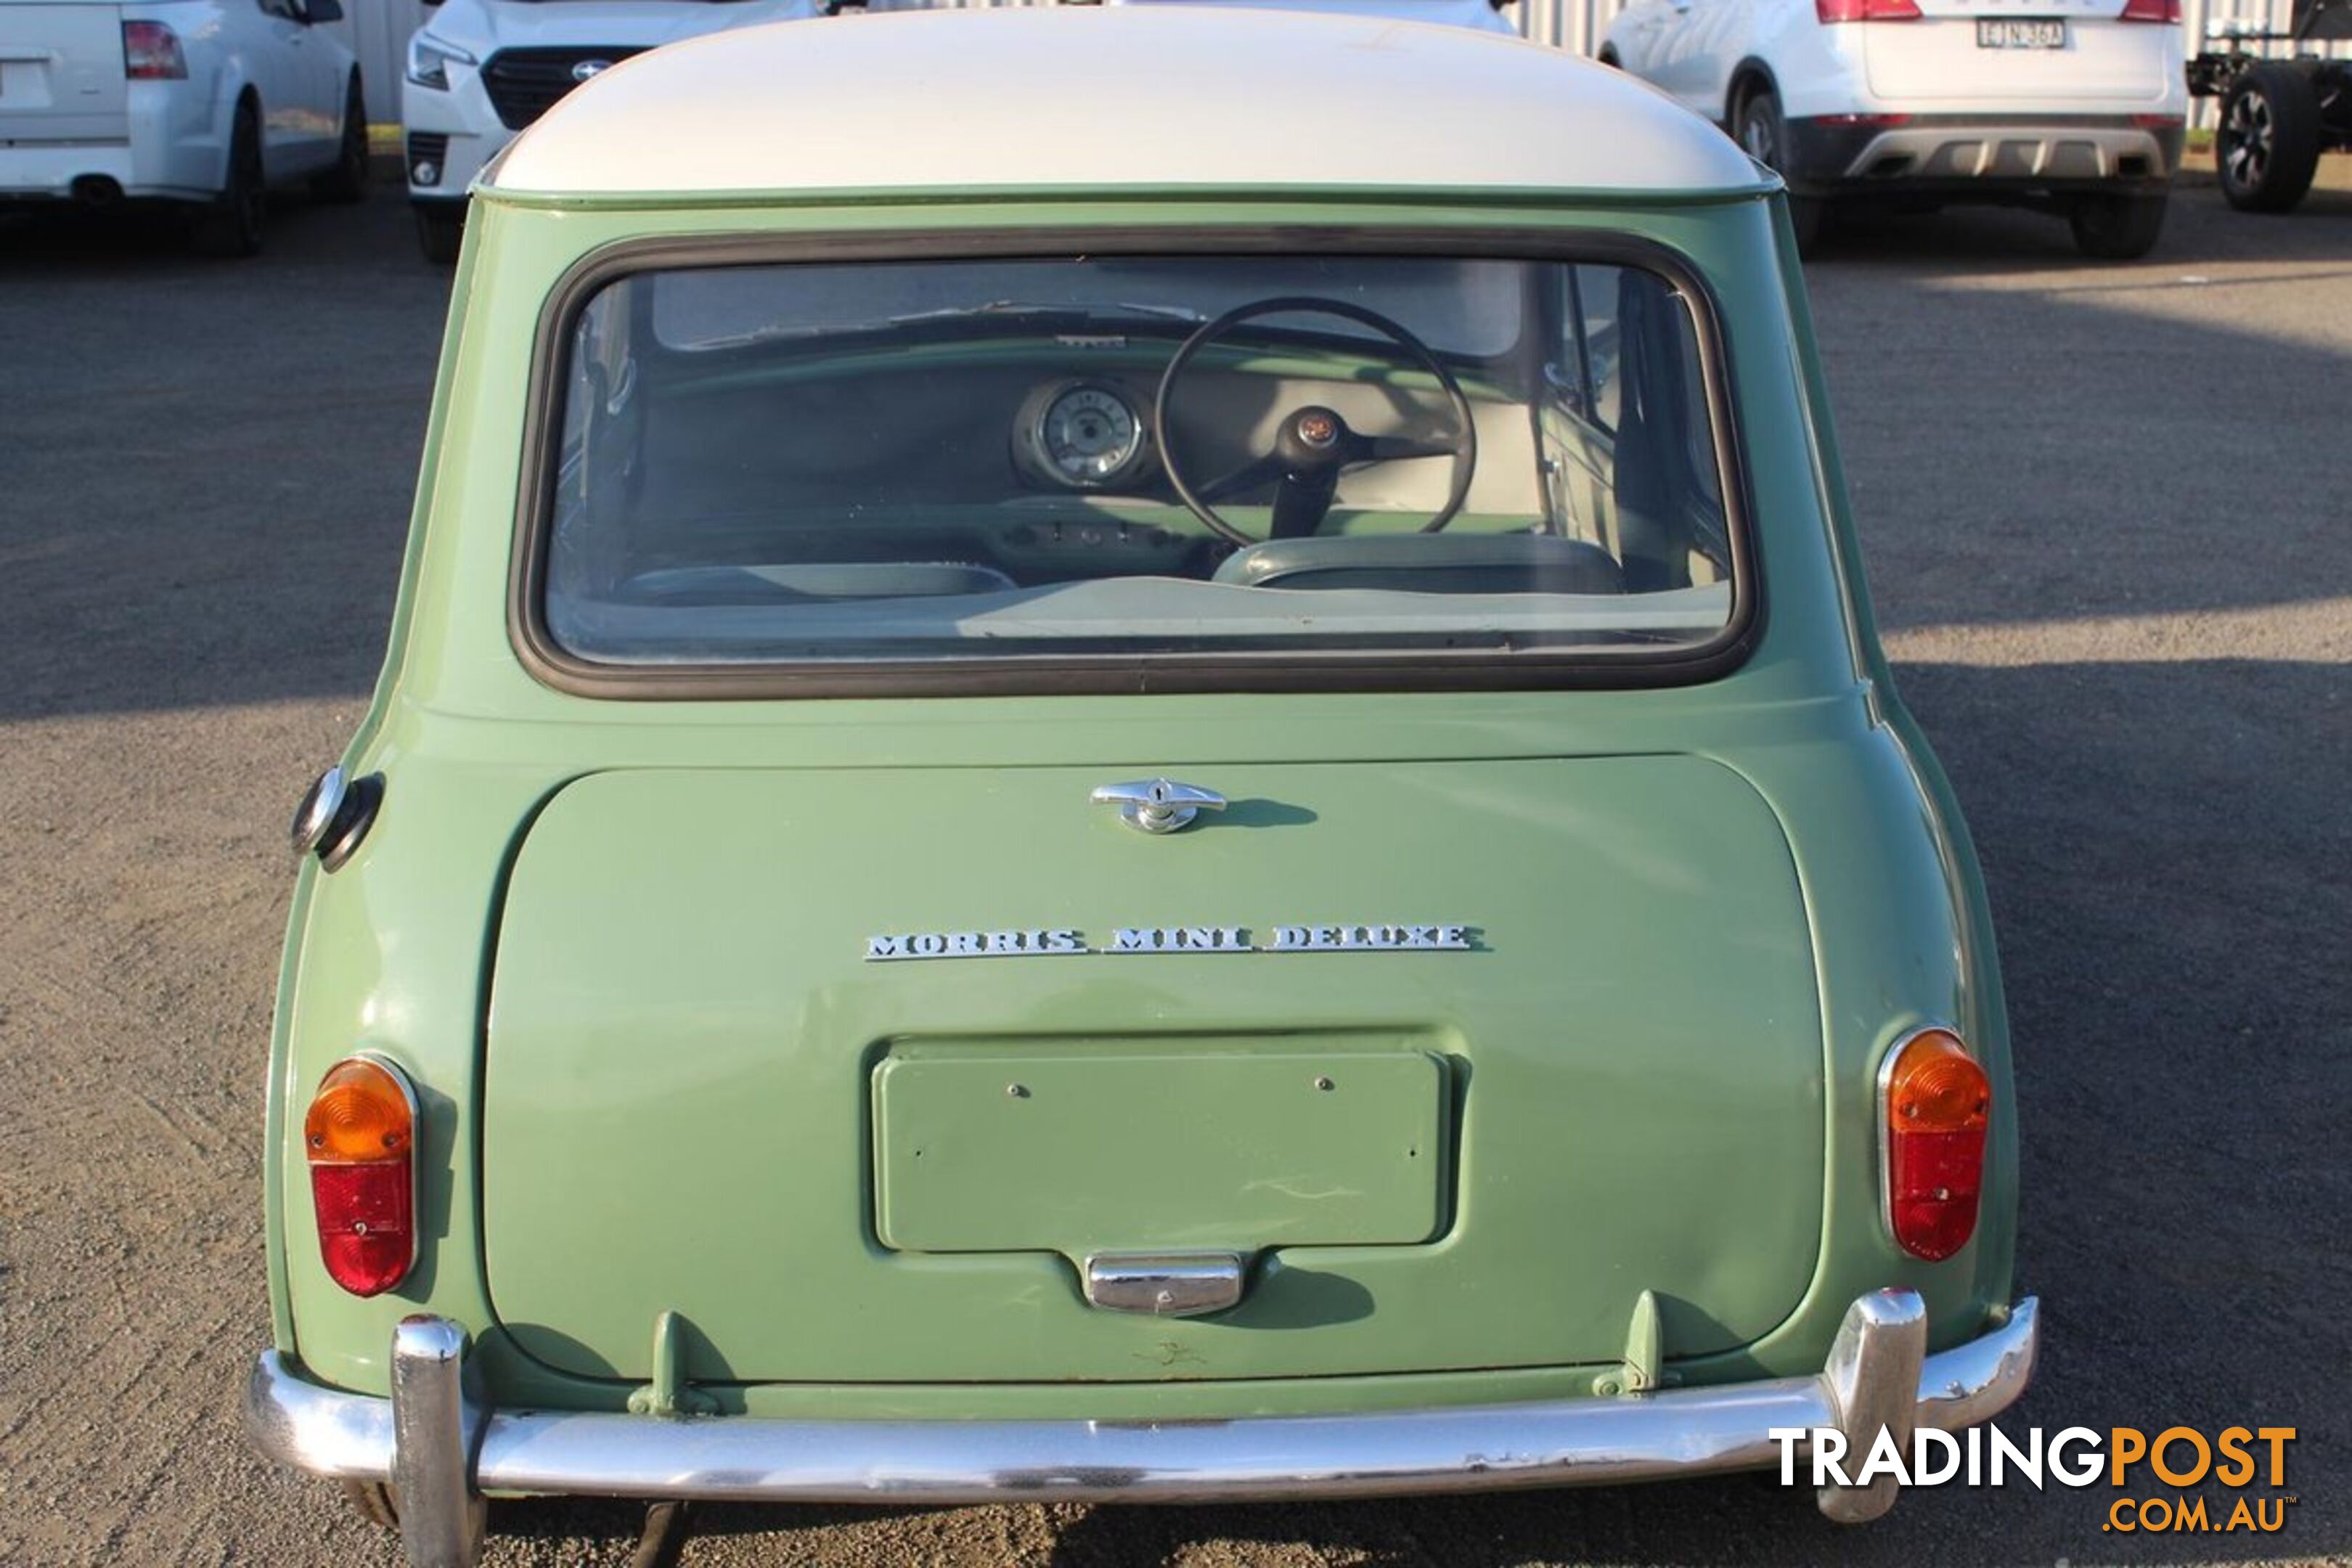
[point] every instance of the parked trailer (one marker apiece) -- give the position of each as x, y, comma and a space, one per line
2278, 116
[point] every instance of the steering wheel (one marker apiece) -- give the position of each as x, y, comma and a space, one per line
1314, 443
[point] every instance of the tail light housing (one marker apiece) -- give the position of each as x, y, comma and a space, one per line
1937, 1104
1834, 11
150, 52
2150, 11
360, 1137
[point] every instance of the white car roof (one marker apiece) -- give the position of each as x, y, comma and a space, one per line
1106, 96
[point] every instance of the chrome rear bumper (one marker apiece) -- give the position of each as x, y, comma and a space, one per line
443, 1452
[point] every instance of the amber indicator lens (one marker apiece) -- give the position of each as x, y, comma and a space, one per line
360, 1113
1937, 1102
359, 1136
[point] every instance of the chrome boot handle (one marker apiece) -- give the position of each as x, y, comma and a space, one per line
1158, 805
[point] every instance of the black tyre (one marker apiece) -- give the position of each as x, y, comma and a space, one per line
1763, 131
348, 180
232, 225
2267, 147
440, 234
2117, 228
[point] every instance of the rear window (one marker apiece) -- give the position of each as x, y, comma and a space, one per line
1134, 457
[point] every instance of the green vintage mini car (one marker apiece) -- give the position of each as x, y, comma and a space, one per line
1203, 809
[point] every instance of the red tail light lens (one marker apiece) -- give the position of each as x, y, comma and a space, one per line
2150, 11
1834, 11
1937, 1103
360, 1137
150, 52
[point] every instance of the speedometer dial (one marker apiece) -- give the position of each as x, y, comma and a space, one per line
1086, 436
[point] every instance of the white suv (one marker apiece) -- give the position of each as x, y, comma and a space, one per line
480, 71
2075, 107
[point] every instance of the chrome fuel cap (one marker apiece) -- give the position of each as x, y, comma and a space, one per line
315, 817
335, 816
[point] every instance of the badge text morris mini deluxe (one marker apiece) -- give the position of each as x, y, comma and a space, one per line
1172, 938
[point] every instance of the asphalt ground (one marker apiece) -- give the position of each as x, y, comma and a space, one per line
2110, 536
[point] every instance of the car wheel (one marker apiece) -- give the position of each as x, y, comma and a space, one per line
1764, 132
231, 226
440, 235
2267, 147
2117, 228
348, 180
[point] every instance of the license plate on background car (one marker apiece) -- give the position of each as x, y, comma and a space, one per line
2006, 34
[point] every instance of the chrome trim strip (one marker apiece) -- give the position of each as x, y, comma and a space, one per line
1569, 1442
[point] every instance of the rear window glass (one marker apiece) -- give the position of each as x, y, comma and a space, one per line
1134, 456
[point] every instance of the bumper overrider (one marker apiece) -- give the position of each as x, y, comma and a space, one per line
443, 1451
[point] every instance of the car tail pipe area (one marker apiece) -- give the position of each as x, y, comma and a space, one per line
442, 1448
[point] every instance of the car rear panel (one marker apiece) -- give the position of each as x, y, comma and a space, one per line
701, 1094
62, 73
2105, 65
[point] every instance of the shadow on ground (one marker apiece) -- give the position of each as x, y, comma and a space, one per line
1996, 240
210, 463
2100, 441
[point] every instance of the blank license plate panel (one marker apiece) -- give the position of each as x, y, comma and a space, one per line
985, 1149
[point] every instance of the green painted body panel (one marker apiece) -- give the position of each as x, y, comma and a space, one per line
606, 1016
1148, 1145
684, 1025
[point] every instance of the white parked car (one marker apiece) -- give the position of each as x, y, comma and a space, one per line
2075, 107
480, 71
204, 103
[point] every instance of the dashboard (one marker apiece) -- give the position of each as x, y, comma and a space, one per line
1040, 464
